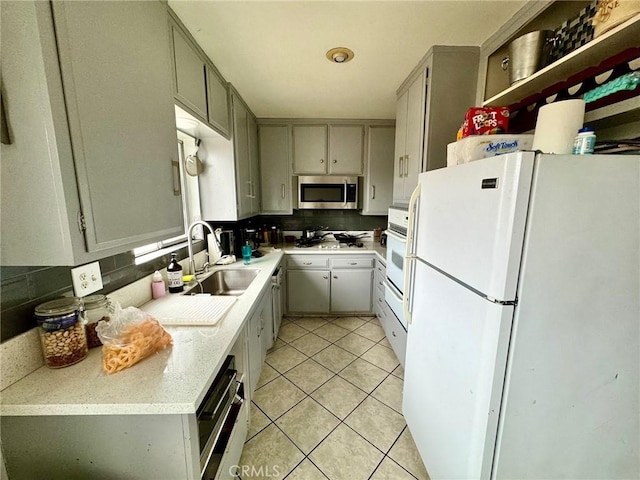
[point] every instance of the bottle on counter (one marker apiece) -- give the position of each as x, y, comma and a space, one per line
157, 285
584, 141
174, 275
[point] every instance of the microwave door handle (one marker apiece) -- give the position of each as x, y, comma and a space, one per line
345, 192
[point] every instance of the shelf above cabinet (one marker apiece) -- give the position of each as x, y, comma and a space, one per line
593, 53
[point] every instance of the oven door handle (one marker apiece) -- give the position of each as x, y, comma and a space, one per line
218, 396
397, 236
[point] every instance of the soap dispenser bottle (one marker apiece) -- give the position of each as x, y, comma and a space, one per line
157, 286
174, 275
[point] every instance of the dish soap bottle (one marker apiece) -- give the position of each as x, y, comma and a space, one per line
174, 275
157, 286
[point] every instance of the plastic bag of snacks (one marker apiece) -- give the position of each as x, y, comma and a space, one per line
484, 121
130, 336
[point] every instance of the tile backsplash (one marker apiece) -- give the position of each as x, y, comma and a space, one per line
23, 288
332, 219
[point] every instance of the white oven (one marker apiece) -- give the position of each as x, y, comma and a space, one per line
396, 251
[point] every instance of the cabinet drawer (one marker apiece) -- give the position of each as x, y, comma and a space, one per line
396, 334
352, 262
307, 261
381, 269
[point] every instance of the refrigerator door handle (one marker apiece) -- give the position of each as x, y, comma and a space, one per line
407, 297
410, 257
411, 224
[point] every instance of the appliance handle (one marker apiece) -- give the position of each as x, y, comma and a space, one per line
396, 235
410, 257
345, 192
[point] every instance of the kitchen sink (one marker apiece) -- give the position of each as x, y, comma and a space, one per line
226, 282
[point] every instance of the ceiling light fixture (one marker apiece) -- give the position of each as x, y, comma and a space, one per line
339, 55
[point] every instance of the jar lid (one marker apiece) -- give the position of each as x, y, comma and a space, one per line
586, 129
95, 301
60, 306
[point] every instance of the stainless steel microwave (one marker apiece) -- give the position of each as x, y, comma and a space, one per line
328, 191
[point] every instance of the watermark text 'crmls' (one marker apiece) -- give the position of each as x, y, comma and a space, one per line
255, 471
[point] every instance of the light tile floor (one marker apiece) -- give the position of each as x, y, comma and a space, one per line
329, 406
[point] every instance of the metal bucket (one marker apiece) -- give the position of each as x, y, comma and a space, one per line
528, 54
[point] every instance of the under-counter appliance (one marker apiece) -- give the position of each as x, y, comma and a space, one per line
523, 300
216, 417
328, 192
396, 249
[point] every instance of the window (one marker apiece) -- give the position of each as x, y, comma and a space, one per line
187, 145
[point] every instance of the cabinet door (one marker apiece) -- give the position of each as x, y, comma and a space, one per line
254, 164
415, 135
308, 291
121, 119
242, 157
190, 86
379, 180
275, 179
218, 102
309, 149
346, 149
400, 146
254, 345
351, 290
266, 335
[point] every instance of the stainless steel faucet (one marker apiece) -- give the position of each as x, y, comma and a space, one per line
192, 263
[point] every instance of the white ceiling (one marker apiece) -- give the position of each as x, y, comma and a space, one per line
274, 52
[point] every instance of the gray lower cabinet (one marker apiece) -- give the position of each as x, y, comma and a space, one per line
328, 284
259, 338
92, 167
351, 290
308, 291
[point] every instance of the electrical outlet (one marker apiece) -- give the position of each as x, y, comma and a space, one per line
86, 279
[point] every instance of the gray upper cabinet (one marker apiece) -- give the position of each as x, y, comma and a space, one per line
198, 86
309, 149
334, 149
377, 193
93, 125
218, 102
346, 149
245, 142
189, 78
274, 168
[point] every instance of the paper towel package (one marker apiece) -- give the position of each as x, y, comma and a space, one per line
483, 146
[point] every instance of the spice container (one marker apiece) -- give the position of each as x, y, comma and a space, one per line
96, 308
62, 333
584, 141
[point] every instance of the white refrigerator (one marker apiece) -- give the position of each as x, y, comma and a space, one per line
523, 296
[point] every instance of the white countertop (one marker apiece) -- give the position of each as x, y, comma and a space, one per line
173, 381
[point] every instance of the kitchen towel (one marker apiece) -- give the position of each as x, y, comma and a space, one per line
557, 125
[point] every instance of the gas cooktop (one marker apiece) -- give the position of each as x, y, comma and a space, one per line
328, 245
